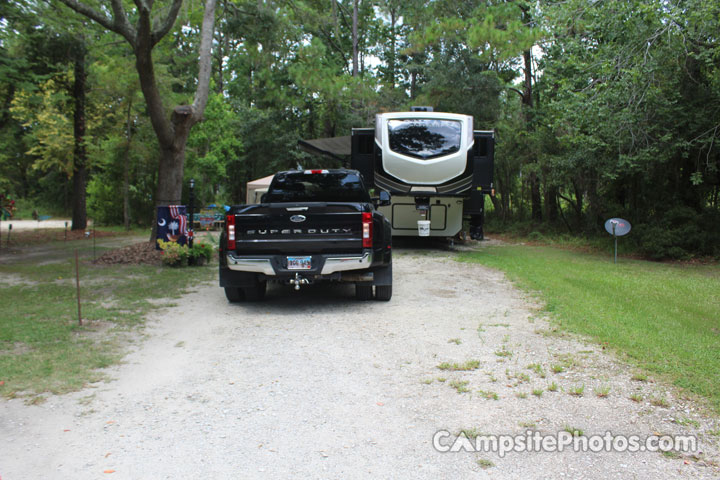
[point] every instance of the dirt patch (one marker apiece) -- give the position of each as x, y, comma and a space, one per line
45, 235
16, 348
143, 253
10, 279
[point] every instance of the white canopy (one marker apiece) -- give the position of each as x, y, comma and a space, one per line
256, 188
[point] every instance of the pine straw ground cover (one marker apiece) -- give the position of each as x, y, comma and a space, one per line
143, 253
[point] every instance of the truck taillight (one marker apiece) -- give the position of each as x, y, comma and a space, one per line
230, 223
367, 230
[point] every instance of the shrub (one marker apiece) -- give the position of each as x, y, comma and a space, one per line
201, 250
535, 236
173, 254
680, 233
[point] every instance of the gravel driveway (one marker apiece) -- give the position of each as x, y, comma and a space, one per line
317, 385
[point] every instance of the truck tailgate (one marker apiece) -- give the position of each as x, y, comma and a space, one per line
302, 229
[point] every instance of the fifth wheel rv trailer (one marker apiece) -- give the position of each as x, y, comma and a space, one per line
435, 166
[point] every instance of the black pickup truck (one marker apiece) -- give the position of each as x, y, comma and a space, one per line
312, 225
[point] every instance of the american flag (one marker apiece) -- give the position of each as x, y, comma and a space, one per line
182, 219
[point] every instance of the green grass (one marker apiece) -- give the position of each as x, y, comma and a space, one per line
664, 317
42, 347
504, 352
659, 401
484, 463
575, 432
603, 391
458, 367
24, 208
488, 394
577, 390
537, 368
687, 422
460, 385
471, 433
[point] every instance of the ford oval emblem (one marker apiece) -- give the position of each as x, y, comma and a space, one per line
298, 218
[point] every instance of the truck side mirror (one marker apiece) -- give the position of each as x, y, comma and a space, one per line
384, 198
263, 198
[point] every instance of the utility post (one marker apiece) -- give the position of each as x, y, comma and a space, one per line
191, 218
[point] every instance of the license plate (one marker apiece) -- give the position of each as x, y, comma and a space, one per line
299, 263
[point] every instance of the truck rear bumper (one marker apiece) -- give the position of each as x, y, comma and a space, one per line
323, 264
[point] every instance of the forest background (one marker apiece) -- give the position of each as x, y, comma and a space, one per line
602, 109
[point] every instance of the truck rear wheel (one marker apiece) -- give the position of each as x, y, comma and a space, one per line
255, 293
234, 294
383, 292
363, 292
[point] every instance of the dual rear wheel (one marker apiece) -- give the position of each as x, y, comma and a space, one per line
365, 292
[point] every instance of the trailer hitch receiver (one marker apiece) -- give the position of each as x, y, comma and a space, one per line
298, 280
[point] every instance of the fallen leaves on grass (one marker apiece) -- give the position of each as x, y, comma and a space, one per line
136, 254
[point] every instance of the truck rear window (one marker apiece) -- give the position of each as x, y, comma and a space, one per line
317, 187
424, 138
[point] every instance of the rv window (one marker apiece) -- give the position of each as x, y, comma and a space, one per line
424, 138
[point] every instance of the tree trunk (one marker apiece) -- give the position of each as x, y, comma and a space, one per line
126, 167
578, 203
221, 48
355, 68
505, 195
535, 198
413, 85
5, 112
79, 212
594, 203
527, 101
393, 47
497, 205
173, 134
527, 88
551, 205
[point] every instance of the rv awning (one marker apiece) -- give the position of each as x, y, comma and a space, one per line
335, 147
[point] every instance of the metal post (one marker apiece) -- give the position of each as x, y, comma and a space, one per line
9, 232
65, 230
93, 222
77, 283
615, 237
192, 212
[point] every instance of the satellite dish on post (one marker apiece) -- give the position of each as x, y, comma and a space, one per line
617, 227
